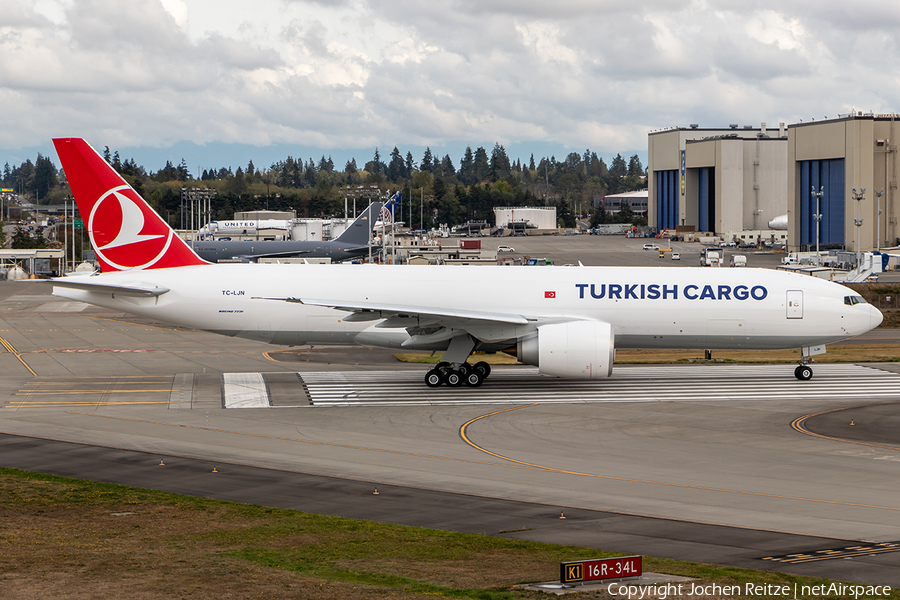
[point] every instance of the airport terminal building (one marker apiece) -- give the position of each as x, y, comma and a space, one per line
735, 179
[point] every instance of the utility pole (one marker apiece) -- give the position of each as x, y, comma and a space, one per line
878, 220
858, 221
818, 216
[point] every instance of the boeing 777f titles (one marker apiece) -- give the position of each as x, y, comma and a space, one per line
567, 321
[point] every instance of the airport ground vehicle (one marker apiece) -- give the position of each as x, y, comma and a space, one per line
567, 321
651, 247
505, 249
676, 256
711, 257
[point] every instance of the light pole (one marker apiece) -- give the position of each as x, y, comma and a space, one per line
818, 216
858, 221
878, 220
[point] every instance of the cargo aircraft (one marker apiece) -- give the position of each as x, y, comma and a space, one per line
352, 243
566, 320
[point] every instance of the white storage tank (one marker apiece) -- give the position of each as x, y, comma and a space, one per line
307, 230
338, 226
16, 274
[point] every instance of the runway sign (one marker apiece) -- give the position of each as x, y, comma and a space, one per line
578, 571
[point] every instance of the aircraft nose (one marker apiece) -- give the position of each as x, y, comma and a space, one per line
875, 316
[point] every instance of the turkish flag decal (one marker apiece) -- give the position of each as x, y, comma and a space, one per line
549, 294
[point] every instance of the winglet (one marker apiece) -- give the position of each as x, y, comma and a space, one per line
125, 232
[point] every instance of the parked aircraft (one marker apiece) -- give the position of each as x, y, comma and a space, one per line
352, 243
567, 321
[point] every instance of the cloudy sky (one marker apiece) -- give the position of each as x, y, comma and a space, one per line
219, 82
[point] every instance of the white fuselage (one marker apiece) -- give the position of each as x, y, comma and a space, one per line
648, 307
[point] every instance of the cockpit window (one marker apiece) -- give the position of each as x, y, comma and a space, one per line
851, 300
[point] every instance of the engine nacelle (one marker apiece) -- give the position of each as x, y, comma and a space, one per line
576, 349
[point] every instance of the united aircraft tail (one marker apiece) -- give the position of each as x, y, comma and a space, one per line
124, 231
387, 211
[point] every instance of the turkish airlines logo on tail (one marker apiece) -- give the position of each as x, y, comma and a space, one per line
125, 232
549, 294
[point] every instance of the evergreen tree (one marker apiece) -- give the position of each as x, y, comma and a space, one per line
618, 167
625, 215
106, 155
410, 166
598, 167
499, 165
237, 185
183, 174
117, 162
564, 214
350, 167
310, 174
427, 161
482, 165
600, 216
396, 167
45, 176
447, 168
572, 163
377, 166
467, 167
635, 168
531, 166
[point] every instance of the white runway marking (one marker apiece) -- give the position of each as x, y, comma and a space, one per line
664, 383
62, 307
244, 390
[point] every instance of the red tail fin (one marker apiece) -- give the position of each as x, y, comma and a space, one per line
124, 231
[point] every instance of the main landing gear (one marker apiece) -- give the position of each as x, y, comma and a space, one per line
455, 375
455, 371
803, 372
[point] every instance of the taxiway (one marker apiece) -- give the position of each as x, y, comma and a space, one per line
737, 465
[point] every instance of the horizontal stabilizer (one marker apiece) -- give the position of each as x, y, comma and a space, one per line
85, 284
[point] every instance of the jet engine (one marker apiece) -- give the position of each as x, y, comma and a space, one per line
576, 349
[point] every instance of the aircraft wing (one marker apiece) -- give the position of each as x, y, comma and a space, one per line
85, 284
370, 311
285, 254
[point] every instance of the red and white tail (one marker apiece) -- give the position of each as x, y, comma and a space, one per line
124, 231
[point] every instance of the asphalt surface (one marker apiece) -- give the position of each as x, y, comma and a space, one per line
99, 395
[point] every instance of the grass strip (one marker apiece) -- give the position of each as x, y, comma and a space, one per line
62, 537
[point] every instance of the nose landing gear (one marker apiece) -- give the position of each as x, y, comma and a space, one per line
804, 372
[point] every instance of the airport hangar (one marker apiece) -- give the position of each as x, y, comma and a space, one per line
733, 179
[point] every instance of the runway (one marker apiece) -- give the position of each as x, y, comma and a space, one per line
698, 462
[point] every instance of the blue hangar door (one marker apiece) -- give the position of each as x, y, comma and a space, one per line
667, 192
706, 196
827, 175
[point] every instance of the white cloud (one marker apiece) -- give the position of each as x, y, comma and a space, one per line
358, 73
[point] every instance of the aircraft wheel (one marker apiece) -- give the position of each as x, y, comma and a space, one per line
464, 368
803, 373
442, 365
474, 378
483, 368
453, 378
434, 378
